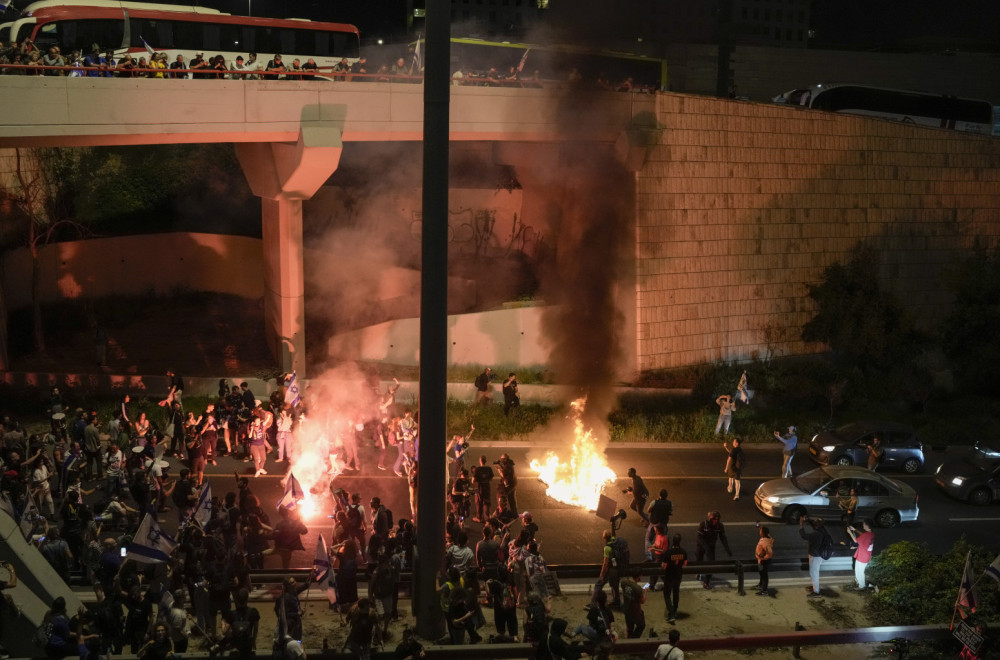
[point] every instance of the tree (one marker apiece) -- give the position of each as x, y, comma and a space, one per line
863, 325
969, 333
30, 202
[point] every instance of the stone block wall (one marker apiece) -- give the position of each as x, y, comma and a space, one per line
741, 205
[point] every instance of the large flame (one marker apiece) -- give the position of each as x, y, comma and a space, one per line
581, 480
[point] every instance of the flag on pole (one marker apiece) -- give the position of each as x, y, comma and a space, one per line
203, 509
149, 49
323, 568
6, 506
292, 397
524, 58
993, 570
28, 515
293, 493
967, 591
742, 393
417, 63
150, 544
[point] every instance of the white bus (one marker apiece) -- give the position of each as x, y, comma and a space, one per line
133, 27
923, 108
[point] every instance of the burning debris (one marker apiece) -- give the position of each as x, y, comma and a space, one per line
580, 480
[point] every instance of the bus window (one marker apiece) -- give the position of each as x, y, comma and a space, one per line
267, 40
81, 34
231, 37
211, 42
47, 36
305, 42
158, 34
287, 40
189, 36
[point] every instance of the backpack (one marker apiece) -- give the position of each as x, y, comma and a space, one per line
242, 630
826, 546
354, 520
620, 554
42, 634
509, 599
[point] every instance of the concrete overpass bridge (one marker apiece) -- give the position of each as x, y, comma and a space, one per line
289, 136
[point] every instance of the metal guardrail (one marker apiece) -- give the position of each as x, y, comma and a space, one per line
646, 647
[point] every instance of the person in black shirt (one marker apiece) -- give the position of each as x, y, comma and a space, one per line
482, 475
640, 495
409, 648
710, 531
508, 481
240, 627
674, 561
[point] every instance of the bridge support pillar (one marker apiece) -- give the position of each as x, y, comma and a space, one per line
283, 175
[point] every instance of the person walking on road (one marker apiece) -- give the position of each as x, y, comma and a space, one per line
640, 495
726, 407
710, 531
674, 561
815, 539
865, 541
875, 454
790, 441
734, 466
764, 553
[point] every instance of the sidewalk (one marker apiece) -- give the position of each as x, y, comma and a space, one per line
718, 612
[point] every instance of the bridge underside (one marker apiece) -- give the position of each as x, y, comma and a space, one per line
289, 136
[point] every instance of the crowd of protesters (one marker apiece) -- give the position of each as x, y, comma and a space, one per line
98, 62
203, 586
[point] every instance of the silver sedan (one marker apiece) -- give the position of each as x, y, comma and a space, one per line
820, 493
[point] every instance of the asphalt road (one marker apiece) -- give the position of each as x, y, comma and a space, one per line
691, 473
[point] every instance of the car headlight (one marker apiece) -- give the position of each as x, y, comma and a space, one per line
958, 481
828, 448
774, 499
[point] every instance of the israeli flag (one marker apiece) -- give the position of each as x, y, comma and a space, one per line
323, 570
4, 5
149, 49
293, 493
292, 397
993, 570
203, 510
150, 544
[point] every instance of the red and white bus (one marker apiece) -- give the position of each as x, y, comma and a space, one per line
127, 27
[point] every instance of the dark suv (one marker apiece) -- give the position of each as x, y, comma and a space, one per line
848, 445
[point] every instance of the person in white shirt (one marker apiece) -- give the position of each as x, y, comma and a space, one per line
670, 651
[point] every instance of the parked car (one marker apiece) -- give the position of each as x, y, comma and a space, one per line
818, 493
848, 445
973, 478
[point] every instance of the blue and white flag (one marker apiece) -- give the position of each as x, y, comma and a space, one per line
150, 544
993, 570
202, 513
418, 64
323, 568
292, 396
28, 516
742, 393
149, 49
293, 493
967, 591
5, 5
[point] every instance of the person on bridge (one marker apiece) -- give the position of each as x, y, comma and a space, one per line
710, 531
790, 442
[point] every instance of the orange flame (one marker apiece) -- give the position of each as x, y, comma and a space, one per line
580, 481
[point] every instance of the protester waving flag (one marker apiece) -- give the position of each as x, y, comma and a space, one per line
293, 493
292, 397
323, 568
150, 544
